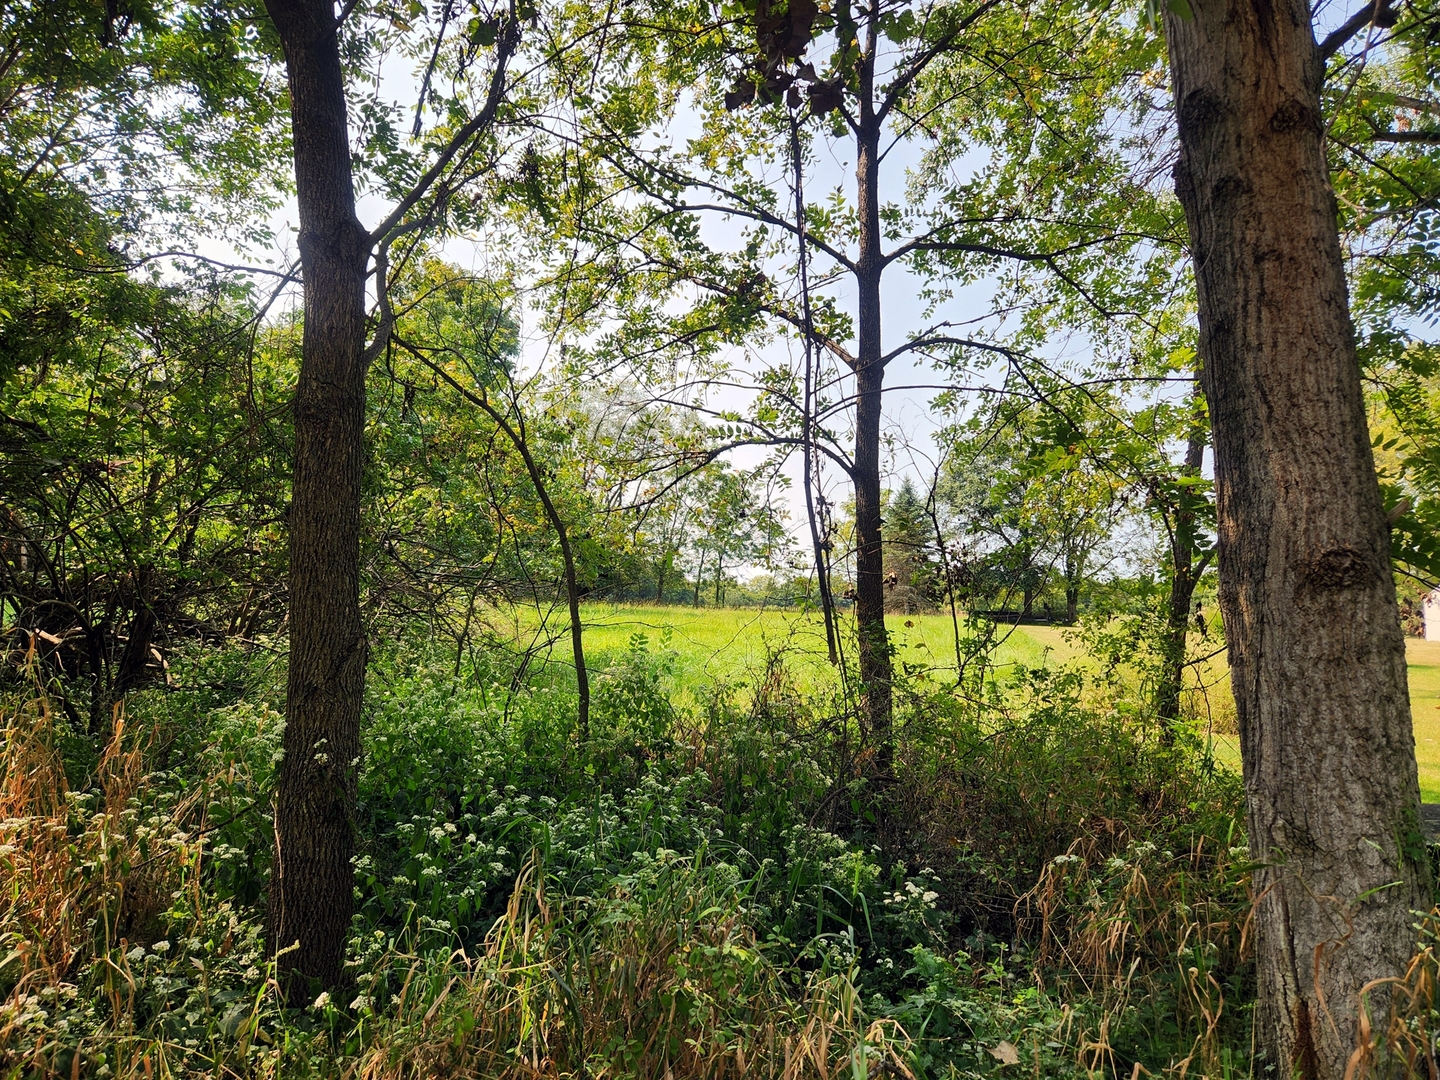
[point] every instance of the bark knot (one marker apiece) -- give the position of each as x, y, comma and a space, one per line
1338, 568
1198, 112
1292, 115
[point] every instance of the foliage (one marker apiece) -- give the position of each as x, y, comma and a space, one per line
693, 887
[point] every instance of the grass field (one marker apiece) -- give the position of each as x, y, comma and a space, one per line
733, 645
1423, 660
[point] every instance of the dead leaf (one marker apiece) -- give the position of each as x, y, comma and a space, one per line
1005, 1053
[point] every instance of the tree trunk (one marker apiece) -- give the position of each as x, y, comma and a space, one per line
807, 436
136, 656
1184, 576
1072, 604
1317, 659
311, 896
873, 642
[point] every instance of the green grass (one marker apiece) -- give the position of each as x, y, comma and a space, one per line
732, 645
1423, 660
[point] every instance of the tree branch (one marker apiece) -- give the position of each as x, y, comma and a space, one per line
1429, 137
505, 46
1362, 19
917, 66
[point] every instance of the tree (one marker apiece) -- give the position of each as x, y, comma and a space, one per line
467, 340
730, 525
143, 467
119, 436
861, 79
1316, 655
911, 573
1028, 485
311, 890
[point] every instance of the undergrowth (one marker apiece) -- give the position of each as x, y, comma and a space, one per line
1040, 887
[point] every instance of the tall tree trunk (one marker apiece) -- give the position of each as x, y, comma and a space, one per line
1316, 655
311, 896
873, 643
1072, 604
1184, 576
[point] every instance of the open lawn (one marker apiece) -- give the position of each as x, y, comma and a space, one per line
1423, 660
734, 644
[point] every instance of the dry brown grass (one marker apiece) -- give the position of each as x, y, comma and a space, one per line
1399, 1023
76, 874
1127, 925
661, 982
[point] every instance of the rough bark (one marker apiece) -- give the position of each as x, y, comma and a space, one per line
1317, 659
873, 645
311, 896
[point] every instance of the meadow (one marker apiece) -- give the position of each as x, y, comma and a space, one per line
735, 644
732, 646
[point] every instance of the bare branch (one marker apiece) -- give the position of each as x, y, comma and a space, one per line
1362, 19
505, 45
1426, 137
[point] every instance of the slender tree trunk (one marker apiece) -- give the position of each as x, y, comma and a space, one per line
1072, 604
807, 434
1184, 576
311, 895
874, 643
515, 432
1316, 654
947, 567
567, 558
